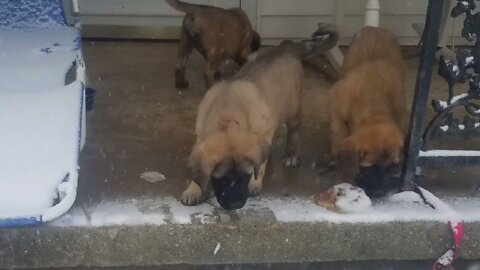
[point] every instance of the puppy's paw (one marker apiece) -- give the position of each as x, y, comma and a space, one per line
190, 199
291, 161
192, 195
254, 187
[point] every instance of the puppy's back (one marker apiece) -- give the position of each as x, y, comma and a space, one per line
370, 44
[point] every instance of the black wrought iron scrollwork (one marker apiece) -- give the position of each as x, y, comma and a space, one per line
465, 68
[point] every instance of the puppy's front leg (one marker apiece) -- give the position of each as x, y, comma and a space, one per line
293, 143
193, 195
255, 185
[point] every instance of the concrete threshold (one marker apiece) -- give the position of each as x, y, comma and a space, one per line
254, 241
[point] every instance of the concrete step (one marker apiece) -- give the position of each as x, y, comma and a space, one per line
357, 265
239, 242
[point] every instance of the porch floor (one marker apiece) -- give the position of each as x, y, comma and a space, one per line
141, 123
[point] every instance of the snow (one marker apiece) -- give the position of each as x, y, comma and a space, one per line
152, 177
449, 153
455, 68
460, 127
217, 248
350, 199
137, 212
75, 217
447, 258
437, 203
181, 214
406, 206
39, 142
37, 58
443, 104
107, 214
40, 118
456, 98
468, 60
354, 201
27, 13
444, 127
406, 197
112, 213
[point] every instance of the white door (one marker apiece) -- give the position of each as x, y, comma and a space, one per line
275, 20
135, 18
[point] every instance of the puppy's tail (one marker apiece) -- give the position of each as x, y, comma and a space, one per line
324, 39
184, 7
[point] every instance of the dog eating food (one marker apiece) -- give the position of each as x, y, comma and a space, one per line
238, 117
378, 180
368, 106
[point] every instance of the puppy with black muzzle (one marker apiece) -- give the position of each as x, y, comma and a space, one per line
238, 117
368, 109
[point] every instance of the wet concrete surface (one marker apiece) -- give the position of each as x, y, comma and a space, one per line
366, 265
140, 122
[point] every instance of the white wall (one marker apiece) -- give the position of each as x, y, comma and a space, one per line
274, 19
137, 12
279, 19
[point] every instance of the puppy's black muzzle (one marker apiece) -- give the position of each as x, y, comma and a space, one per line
231, 190
378, 180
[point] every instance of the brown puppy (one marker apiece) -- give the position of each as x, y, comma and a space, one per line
368, 103
218, 34
238, 117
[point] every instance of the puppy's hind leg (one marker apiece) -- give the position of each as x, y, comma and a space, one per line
184, 50
293, 142
256, 184
193, 195
211, 73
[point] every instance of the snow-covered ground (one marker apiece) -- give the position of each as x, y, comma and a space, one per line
406, 206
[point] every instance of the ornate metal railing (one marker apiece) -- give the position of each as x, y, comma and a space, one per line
463, 69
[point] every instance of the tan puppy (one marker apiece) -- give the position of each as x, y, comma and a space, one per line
238, 117
368, 103
218, 34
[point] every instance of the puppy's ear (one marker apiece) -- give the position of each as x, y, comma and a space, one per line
348, 158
